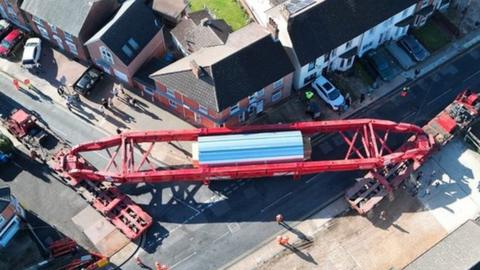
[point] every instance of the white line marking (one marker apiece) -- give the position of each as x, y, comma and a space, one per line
471, 76
183, 260
186, 204
221, 236
311, 179
275, 202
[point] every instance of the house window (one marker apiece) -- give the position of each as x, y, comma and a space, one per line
348, 45
37, 20
424, 3
126, 50
203, 109
241, 117
327, 57
59, 41
120, 75
260, 93
72, 47
172, 103
311, 66
53, 28
11, 11
371, 31
2, 220
148, 90
278, 84
309, 78
234, 109
276, 95
68, 36
198, 118
171, 93
43, 32
333, 53
404, 13
133, 43
106, 55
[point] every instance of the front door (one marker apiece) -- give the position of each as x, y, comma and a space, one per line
259, 106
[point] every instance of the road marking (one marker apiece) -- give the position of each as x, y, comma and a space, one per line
233, 227
311, 179
277, 201
440, 96
16, 164
471, 76
183, 260
221, 236
186, 204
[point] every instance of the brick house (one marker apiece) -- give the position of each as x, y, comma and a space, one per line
227, 84
199, 30
171, 10
127, 41
68, 24
10, 10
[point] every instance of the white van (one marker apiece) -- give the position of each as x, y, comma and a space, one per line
31, 53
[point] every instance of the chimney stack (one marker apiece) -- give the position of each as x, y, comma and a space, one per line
196, 69
272, 27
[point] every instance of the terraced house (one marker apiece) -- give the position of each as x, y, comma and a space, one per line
328, 35
68, 24
226, 84
10, 10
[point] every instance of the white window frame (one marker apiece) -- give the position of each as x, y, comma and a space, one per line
53, 28
120, 75
170, 93
43, 32
198, 118
278, 84
348, 44
172, 103
68, 36
311, 66
202, 109
72, 47
106, 55
276, 96
260, 93
148, 90
234, 109
2, 220
37, 20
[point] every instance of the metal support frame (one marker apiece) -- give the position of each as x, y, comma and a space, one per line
366, 150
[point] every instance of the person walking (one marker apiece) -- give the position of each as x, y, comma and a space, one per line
309, 95
362, 98
115, 92
105, 103
110, 102
348, 100
279, 218
404, 92
69, 102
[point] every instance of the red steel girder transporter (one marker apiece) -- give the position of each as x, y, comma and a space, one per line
367, 141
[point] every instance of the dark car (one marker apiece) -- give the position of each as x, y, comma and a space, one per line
414, 48
87, 81
5, 28
379, 61
10, 42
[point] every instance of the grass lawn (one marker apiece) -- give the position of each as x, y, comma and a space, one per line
229, 10
432, 36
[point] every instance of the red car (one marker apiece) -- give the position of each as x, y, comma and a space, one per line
10, 42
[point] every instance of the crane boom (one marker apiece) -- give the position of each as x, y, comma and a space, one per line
366, 142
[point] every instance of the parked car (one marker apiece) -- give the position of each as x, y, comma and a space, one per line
31, 53
329, 93
400, 55
5, 28
10, 42
87, 81
379, 61
414, 48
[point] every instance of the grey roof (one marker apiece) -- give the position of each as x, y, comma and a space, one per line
68, 15
459, 250
129, 31
143, 73
249, 61
200, 30
170, 8
331, 23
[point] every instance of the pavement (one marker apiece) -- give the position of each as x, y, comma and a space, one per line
206, 227
399, 230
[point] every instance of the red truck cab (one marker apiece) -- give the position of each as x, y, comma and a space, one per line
10, 42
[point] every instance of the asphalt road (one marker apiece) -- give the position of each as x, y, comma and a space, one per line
200, 227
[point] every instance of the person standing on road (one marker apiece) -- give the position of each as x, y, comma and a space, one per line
105, 103
69, 102
348, 100
362, 98
115, 92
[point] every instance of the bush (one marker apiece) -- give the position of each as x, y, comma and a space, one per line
6, 144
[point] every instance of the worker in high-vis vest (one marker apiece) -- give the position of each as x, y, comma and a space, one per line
308, 94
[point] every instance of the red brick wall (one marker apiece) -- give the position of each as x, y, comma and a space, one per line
17, 17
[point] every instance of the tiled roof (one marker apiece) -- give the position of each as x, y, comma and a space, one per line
68, 15
170, 8
249, 61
